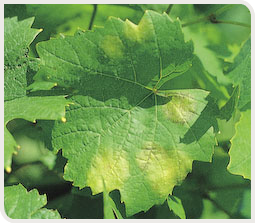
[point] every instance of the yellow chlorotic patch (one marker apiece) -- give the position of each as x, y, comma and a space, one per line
110, 167
162, 168
112, 46
180, 109
139, 33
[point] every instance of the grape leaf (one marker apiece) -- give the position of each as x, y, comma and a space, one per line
15, 60
30, 109
122, 129
110, 209
17, 104
212, 182
215, 44
175, 204
240, 74
240, 151
20, 204
231, 105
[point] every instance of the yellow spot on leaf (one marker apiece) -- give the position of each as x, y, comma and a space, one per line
163, 168
110, 167
139, 33
179, 109
112, 46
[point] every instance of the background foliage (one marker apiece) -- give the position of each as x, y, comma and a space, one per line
38, 109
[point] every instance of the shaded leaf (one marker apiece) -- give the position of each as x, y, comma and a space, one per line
20, 204
240, 74
30, 109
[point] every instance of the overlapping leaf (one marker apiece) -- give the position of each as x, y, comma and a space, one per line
240, 151
16, 61
175, 205
123, 132
17, 104
240, 74
20, 204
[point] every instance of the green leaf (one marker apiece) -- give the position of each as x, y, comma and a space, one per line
211, 191
117, 55
215, 44
198, 77
240, 74
17, 71
110, 209
240, 151
15, 45
122, 129
20, 204
175, 205
30, 109
230, 107
15, 60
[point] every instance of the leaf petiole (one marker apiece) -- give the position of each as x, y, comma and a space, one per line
93, 17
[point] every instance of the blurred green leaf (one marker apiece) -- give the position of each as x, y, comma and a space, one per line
175, 205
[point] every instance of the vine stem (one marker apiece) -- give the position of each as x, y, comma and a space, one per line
169, 8
212, 18
234, 23
93, 16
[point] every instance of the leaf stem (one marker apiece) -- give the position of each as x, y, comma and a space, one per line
234, 23
203, 19
212, 18
169, 8
93, 16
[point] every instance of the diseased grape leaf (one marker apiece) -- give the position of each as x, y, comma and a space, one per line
122, 129
21, 204
240, 151
17, 65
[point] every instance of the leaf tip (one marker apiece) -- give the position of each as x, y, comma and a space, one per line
8, 169
63, 119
